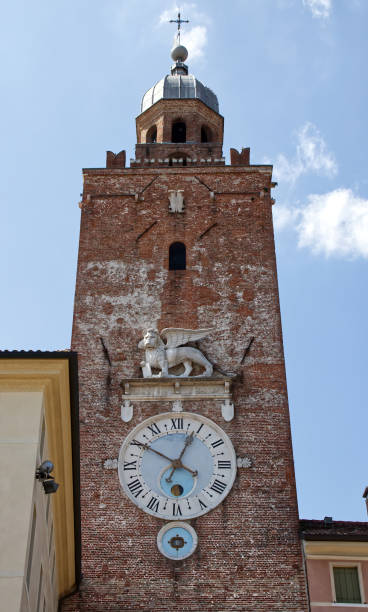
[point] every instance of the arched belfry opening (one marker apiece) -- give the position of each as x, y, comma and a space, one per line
206, 134
177, 256
179, 132
151, 135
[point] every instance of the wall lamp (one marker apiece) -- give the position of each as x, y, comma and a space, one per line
43, 473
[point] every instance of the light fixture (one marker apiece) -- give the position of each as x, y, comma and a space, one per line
43, 473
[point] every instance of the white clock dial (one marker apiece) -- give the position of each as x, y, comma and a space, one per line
177, 465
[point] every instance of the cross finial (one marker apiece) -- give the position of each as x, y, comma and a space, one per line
179, 21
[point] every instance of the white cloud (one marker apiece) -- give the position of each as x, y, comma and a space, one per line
319, 8
312, 155
332, 224
335, 223
194, 38
195, 41
284, 216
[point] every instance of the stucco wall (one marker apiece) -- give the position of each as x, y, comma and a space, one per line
23, 502
320, 580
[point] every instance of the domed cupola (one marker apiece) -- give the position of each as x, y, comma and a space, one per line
179, 85
179, 123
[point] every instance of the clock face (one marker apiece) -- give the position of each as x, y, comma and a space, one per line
177, 465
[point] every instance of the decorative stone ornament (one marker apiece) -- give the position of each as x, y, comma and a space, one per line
177, 466
227, 410
177, 406
162, 356
177, 540
243, 462
176, 201
127, 411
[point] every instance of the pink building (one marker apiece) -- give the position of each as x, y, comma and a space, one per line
336, 555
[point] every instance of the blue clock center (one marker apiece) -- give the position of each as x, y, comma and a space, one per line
180, 484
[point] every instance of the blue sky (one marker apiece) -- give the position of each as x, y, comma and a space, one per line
290, 76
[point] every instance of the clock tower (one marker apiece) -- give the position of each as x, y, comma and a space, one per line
188, 495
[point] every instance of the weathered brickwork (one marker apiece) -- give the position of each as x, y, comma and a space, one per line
249, 555
194, 112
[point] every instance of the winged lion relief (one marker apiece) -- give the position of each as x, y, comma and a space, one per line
162, 357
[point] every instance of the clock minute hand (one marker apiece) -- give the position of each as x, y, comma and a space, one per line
177, 462
143, 445
188, 441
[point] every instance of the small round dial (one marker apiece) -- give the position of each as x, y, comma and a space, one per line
177, 540
177, 465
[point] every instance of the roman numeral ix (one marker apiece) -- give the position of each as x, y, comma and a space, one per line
130, 465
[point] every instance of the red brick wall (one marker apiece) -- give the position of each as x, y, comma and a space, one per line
249, 554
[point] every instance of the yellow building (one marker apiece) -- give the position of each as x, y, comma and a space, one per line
39, 532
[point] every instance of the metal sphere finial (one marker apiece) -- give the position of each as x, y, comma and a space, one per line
179, 53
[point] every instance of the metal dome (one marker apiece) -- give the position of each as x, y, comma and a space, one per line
179, 86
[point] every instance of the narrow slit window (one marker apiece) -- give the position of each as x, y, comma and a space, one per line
177, 256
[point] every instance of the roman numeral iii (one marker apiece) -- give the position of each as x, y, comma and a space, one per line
224, 465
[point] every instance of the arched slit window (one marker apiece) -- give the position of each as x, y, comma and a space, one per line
206, 134
179, 132
177, 256
152, 134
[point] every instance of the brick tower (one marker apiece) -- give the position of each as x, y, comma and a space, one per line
180, 240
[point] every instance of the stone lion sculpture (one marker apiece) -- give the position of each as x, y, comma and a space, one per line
162, 356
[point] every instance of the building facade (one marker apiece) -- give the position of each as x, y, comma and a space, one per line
177, 327
39, 531
336, 557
